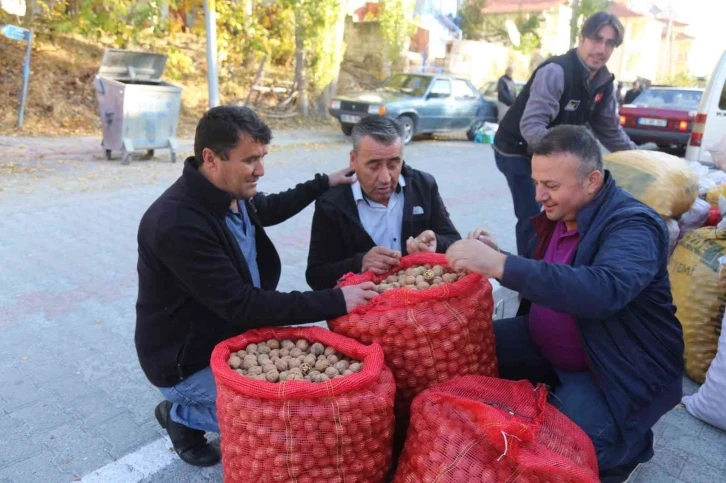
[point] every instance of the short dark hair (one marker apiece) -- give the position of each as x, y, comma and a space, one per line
221, 127
383, 129
596, 21
575, 140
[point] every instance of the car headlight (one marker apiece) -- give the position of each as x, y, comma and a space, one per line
335, 104
376, 109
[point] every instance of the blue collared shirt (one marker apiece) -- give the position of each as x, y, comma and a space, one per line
382, 223
244, 232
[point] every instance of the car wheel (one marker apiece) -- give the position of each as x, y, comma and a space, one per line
346, 128
408, 128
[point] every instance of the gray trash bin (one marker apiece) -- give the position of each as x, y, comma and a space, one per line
138, 110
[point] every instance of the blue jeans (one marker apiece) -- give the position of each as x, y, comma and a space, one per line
518, 171
575, 394
194, 401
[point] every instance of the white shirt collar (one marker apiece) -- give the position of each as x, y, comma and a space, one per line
358, 191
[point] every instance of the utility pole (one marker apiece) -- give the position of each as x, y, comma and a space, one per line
210, 17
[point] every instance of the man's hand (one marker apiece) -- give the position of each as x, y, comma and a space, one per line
425, 242
380, 260
342, 176
476, 256
483, 236
356, 295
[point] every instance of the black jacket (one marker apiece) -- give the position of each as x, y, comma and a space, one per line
195, 288
578, 103
506, 90
338, 240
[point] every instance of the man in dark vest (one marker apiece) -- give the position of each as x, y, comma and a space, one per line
574, 88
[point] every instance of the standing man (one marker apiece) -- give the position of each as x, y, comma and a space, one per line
633, 93
506, 93
574, 88
208, 271
391, 209
597, 321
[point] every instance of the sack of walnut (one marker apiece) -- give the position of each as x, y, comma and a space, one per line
428, 335
335, 430
486, 430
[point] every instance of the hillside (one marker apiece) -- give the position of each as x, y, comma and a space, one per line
62, 99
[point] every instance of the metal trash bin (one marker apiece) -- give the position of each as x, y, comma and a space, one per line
138, 110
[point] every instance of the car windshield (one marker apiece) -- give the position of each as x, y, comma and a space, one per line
669, 98
413, 85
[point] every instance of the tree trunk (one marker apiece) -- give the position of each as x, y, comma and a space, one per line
331, 90
300, 71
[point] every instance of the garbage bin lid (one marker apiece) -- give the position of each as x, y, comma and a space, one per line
132, 66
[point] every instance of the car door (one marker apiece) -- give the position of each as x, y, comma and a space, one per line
437, 110
466, 104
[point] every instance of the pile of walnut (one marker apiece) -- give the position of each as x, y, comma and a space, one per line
278, 361
419, 278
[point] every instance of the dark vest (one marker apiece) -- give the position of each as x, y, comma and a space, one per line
577, 104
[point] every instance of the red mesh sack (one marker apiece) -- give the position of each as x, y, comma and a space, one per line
297, 431
428, 336
482, 429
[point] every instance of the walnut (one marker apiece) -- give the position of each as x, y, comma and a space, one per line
305, 368
281, 365
331, 372
254, 371
234, 361
356, 367
341, 366
296, 352
272, 376
322, 365
263, 349
302, 344
332, 359
287, 344
317, 349
310, 359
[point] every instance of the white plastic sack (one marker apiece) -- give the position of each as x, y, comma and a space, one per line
718, 153
673, 234
704, 182
709, 403
695, 217
717, 176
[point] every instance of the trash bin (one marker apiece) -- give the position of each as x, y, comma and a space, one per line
138, 111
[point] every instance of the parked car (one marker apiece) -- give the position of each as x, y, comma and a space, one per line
489, 110
423, 104
710, 123
661, 115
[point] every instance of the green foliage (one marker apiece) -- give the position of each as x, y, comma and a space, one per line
397, 25
585, 9
472, 19
528, 25
125, 23
681, 79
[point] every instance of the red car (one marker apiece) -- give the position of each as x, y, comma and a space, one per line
661, 115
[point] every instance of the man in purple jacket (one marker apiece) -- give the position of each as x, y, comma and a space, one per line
597, 322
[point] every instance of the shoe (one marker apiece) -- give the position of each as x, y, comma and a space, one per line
190, 444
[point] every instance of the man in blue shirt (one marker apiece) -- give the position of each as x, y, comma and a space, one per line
208, 271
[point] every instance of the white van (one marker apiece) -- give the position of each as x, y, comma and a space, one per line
709, 126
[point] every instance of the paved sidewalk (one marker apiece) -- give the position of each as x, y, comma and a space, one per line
73, 399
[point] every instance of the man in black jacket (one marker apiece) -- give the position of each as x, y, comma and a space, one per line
574, 88
208, 271
506, 93
362, 227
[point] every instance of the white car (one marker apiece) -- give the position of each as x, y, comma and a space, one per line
709, 127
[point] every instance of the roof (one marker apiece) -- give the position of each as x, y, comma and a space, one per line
514, 6
621, 11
